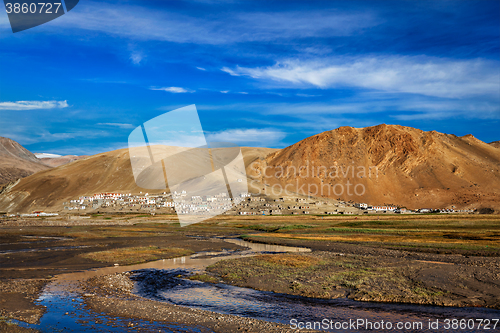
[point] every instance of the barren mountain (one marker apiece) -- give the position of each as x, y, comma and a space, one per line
384, 164
16, 162
495, 144
388, 164
106, 172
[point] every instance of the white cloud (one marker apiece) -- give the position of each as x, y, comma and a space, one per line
175, 90
33, 105
139, 23
248, 137
30, 135
136, 57
201, 68
224, 91
403, 74
360, 111
231, 72
307, 95
120, 125
47, 155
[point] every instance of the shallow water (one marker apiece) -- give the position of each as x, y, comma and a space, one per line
159, 281
282, 308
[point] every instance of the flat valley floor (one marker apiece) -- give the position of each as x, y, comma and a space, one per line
446, 260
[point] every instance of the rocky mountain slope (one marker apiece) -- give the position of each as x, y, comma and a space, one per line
388, 164
16, 161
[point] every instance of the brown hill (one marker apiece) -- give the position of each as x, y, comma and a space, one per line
495, 144
58, 161
383, 164
16, 161
388, 164
106, 172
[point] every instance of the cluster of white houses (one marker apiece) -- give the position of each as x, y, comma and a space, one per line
180, 201
244, 204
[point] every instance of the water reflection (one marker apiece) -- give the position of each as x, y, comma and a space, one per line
160, 280
169, 287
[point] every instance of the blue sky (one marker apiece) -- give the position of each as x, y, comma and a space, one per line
262, 73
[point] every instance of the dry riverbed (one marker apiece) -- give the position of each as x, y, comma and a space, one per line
452, 260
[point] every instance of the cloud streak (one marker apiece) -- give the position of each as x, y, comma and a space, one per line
422, 75
120, 125
140, 23
33, 105
249, 137
175, 90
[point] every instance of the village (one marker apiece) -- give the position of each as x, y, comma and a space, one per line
244, 204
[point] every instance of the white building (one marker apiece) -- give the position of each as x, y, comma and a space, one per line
361, 205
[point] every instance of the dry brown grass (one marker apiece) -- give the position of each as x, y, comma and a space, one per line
290, 260
136, 255
424, 239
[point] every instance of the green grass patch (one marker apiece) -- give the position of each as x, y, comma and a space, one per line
204, 278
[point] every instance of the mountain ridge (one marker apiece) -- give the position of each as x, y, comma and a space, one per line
416, 169
391, 164
16, 161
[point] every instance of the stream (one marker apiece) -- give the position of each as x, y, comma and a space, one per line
66, 311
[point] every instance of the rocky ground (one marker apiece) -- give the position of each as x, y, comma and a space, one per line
17, 297
6, 327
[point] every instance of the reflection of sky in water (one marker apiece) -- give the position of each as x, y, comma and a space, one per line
67, 313
282, 308
158, 280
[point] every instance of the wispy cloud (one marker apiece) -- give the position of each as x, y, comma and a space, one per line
31, 135
140, 23
120, 125
429, 76
307, 95
201, 68
33, 105
249, 137
175, 90
359, 111
136, 57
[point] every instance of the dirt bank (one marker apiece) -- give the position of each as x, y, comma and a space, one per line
17, 297
6, 327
